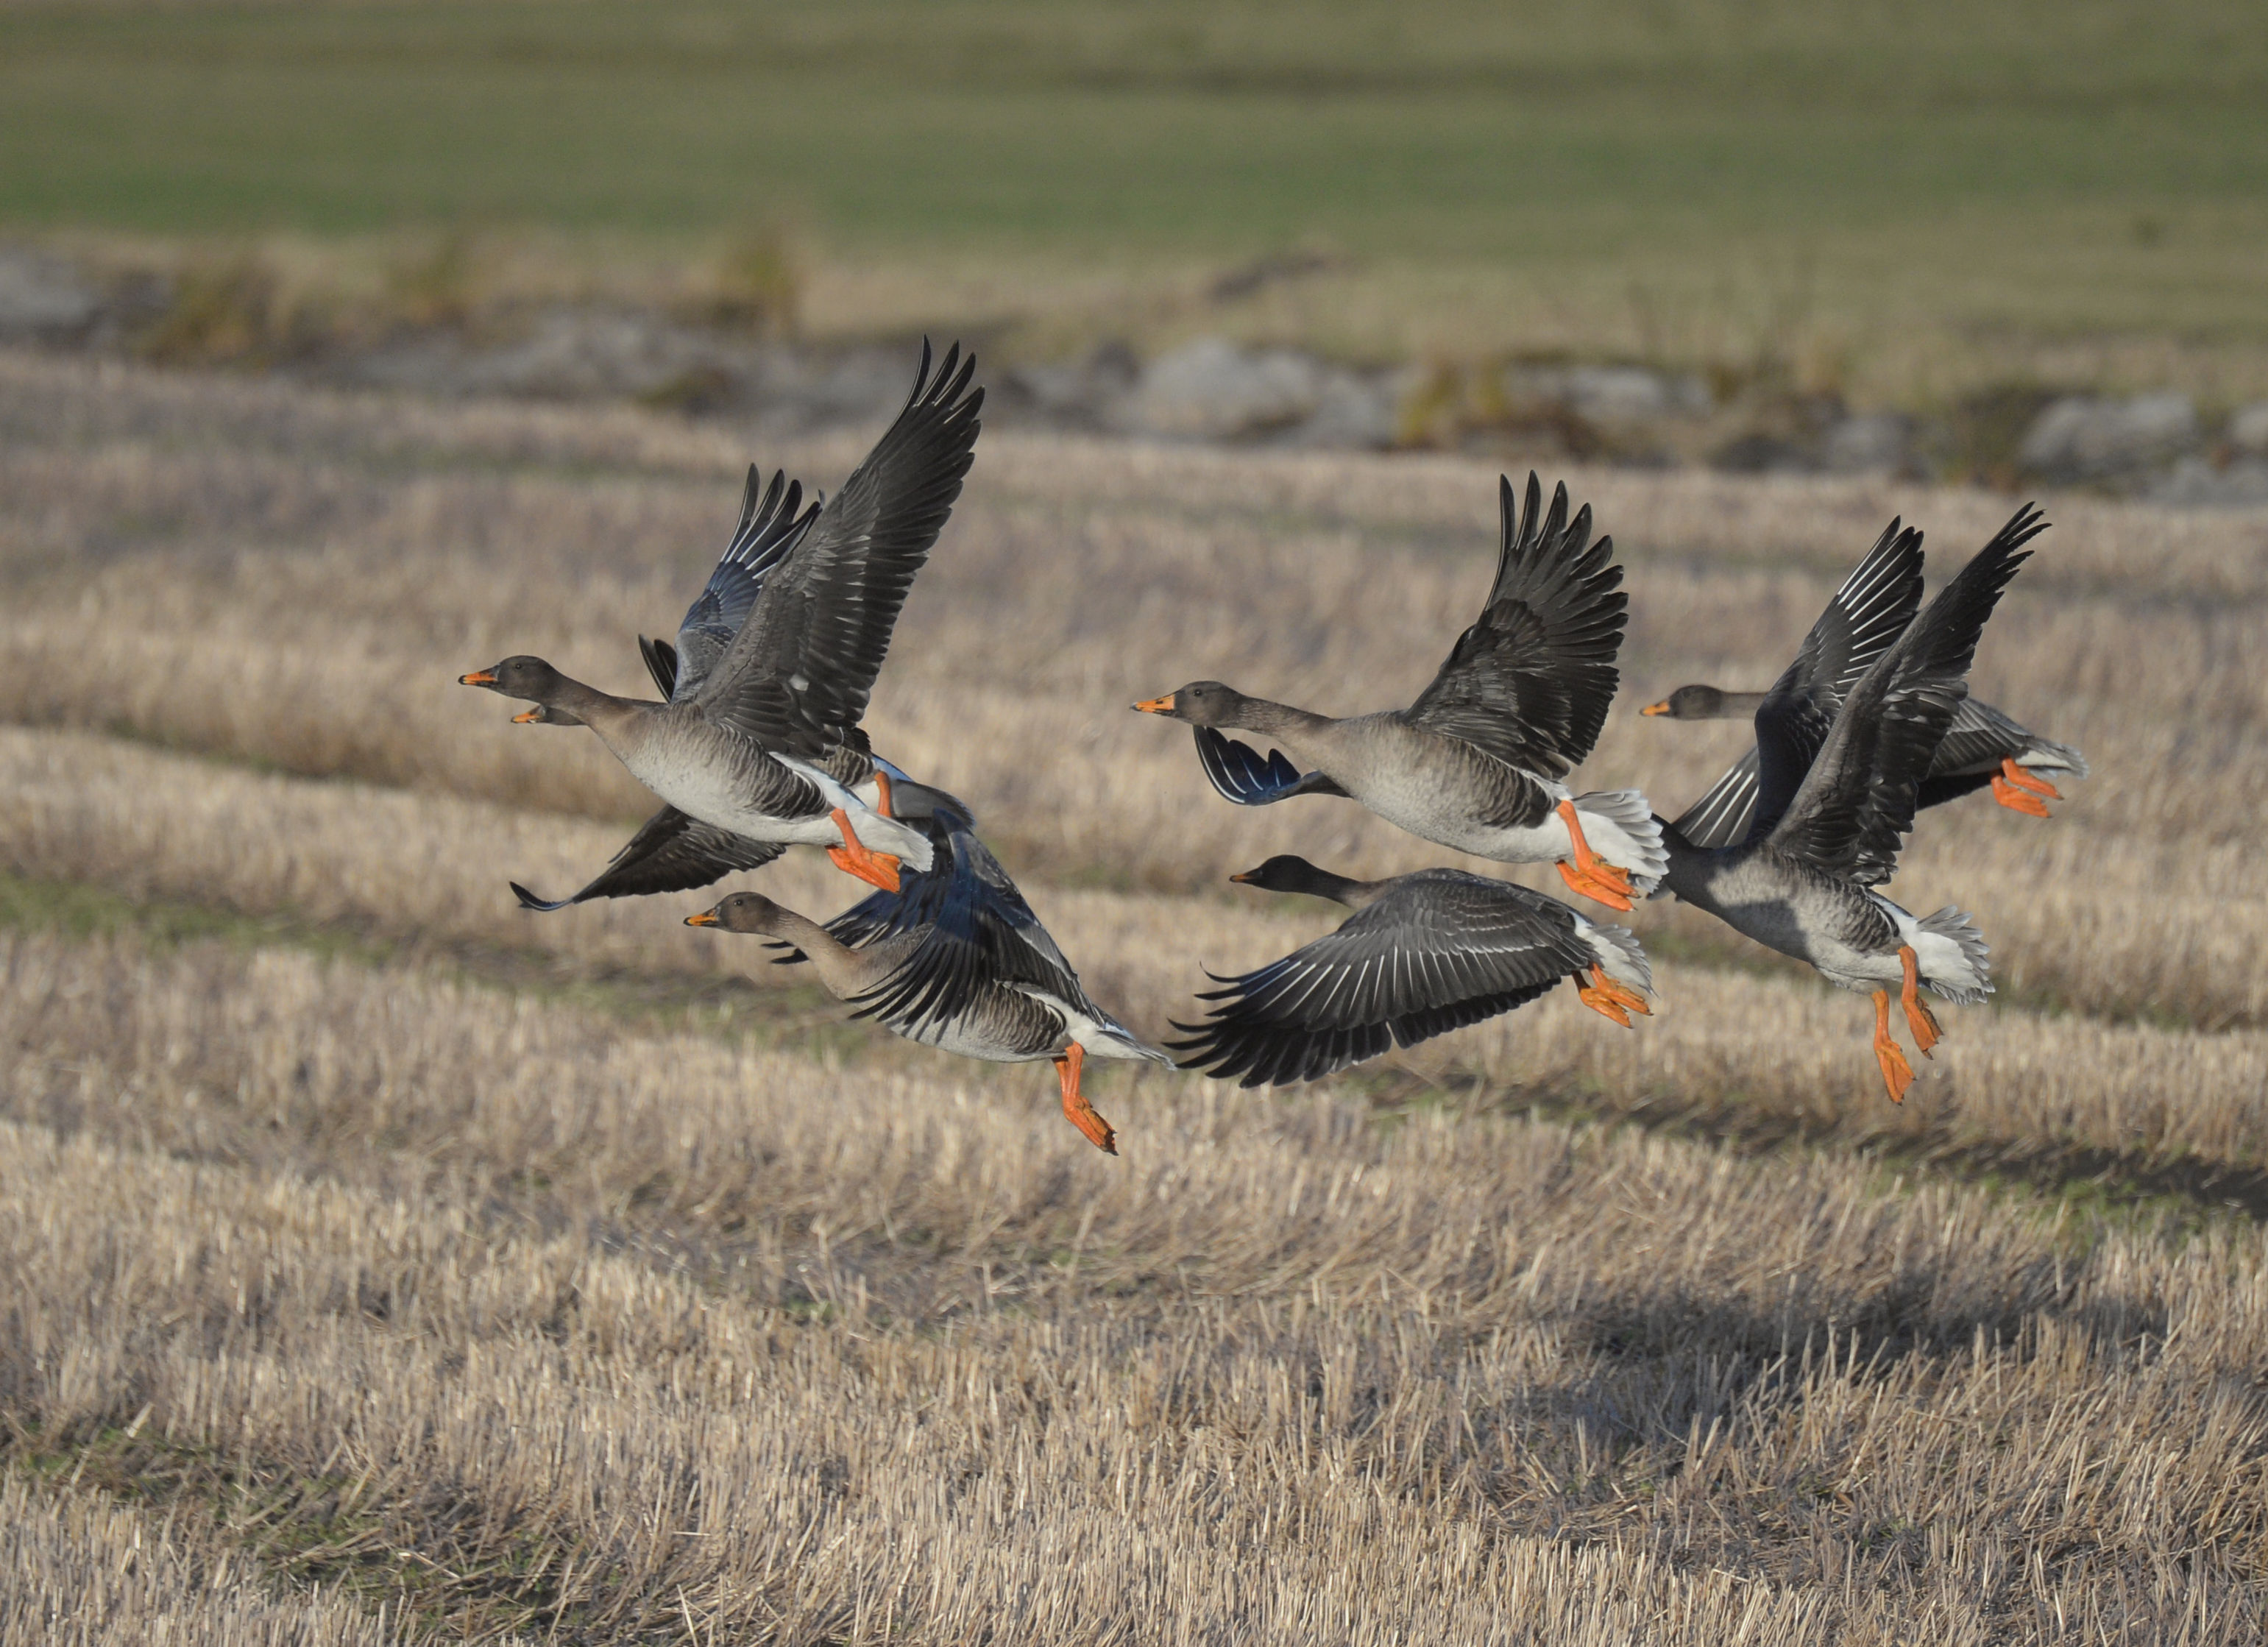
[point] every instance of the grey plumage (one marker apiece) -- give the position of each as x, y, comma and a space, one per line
1424, 954
1476, 762
955, 960
758, 745
1800, 879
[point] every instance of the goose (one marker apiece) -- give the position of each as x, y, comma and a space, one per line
1983, 745
1424, 954
758, 746
955, 959
1477, 761
1830, 814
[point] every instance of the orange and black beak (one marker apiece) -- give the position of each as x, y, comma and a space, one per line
528, 716
478, 678
1157, 706
707, 917
1661, 708
1246, 878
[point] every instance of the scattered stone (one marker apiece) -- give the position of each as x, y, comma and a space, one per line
1872, 443
2195, 482
2248, 429
1760, 453
1632, 394
1353, 414
44, 298
1082, 395
1212, 390
2081, 439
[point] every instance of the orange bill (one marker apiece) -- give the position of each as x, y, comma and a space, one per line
478, 678
1157, 706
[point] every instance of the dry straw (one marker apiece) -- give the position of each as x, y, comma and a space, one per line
407, 1303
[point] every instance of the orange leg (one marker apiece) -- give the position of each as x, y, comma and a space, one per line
852, 857
2019, 791
1591, 875
882, 793
1897, 1074
1077, 1110
1604, 995
1920, 1018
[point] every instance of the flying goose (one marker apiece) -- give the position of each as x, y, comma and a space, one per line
1423, 954
758, 746
1830, 815
1983, 745
955, 959
1477, 761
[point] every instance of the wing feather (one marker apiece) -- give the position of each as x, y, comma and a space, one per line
1862, 620
1531, 680
1440, 949
670, 852
798, 673
1856, 804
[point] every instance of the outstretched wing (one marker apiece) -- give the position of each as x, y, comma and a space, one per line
773, 521
1720, 817
977, 931
1530, 681
1870, 611
1238, 773
1442, 949
670, 853
1857, 803
798, 673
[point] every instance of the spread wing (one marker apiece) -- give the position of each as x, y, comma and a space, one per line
1720, 817
977, 931
660, 663
798, 673
670, 853
1530, 681
1857, 803
1238, 773
1442, 949
773, 521
1870, 611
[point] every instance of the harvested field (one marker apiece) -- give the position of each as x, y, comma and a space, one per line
386, 1264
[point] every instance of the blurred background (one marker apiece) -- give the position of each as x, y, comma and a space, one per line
1937, 240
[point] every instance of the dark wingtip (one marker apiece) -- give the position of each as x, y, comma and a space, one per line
529, 900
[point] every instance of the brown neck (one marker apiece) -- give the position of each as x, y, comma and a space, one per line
1275, 720
838, 967
1739, 706
598, 711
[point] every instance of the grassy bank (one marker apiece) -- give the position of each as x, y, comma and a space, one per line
1882, 198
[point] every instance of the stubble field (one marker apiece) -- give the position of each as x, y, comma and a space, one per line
385, 1263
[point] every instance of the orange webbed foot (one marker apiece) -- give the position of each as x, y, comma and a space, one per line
1920, 1018
1897, 1074
1077, 1110
853, 857
1589, 874
1594, 884
1604, 995
2019, 791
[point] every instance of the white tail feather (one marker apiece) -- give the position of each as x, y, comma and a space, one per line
1620, 828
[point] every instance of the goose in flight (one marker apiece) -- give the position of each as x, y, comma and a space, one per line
758, 745
1983, 746
1832, 810
1422, 955
955, 959
1478, 761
